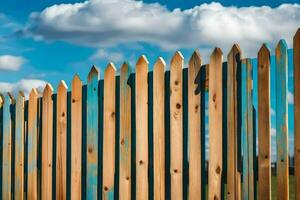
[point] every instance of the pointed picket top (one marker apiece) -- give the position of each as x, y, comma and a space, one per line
1, 100
142, 61
76, 81
217, 52
33, 93
48, 90
62, 87
8, 97
297, 35
195, 58
93, 72
235, 50
282, 45
177, 57
110, 68
21, 96
264, 50
160, 63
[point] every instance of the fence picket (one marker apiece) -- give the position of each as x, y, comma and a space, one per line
159, 128
215, 124
282, 121
297, 111
233, 59
264, 136
7, 147
176, 126
32, 140
47, 143
194, 123
92, 134
109, 132
141, 78
61, 141
76, 138
125, 134
19, 147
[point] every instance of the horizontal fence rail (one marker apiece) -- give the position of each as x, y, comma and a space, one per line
148, 134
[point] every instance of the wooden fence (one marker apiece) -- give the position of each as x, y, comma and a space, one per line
142, 135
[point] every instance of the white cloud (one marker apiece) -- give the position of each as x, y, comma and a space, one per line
24, 85
11, 63
290, 97
103, 54
102, 23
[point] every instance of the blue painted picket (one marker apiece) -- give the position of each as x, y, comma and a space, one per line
92, 134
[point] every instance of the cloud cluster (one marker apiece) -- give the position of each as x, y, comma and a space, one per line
24, 85
102, 23
11, 63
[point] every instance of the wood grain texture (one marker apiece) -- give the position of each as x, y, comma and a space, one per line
47, 143
215, 125
297, 111
194, 127
61, 141
32, 140
7, 147
233, 59
19, 147
159, 128
76, 138
92, 134
264, 136
176, 126
244, 131
141, 78
282, 121
250, 135
109, 132
125, 134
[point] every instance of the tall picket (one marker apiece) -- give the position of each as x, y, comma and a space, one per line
215, 124
76, 138
19, 147
141, 88
176, 126
47, 143
296, 55
7, 147
125, 133
32, 141
159, 128
264, 134
109, 132
92, 134
194, 124
61, 141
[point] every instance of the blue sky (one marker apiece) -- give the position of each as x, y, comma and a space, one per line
49, 40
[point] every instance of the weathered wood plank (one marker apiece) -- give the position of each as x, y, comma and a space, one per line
47, 143
7, 147
297, 111
250, 135
264, 136
92, 134
125, 134
61, 141
141, 78
19, 147
233, 59
159, 128
282, 121
194, 127
32, 140
215, 124
176, 126
109, 132
244, 131
76, 138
